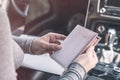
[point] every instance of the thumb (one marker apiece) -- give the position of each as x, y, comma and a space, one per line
90, 50
95, 57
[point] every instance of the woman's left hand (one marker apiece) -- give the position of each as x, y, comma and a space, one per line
47, 43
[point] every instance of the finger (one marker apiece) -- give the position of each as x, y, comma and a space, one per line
53, 47
56, 42
95, 56
57, 36
50, 52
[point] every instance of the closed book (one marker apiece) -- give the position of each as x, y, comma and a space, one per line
75, 44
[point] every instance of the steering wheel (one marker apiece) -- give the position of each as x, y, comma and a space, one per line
24, 12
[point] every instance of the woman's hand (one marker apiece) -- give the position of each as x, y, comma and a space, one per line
88, 59
47, 43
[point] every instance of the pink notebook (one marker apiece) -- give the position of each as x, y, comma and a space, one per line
75, 44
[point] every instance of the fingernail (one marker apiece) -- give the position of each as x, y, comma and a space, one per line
59, 47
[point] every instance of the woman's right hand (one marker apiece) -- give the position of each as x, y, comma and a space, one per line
88, 59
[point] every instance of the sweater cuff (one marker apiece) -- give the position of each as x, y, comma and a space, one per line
27, 46
78, 70
25, 43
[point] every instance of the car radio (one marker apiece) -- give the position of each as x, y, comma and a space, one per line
109, 7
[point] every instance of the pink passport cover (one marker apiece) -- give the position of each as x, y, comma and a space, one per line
75, 44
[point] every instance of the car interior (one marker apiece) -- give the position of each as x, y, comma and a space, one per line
38, 17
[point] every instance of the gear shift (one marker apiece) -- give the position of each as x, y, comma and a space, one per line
110, 38
107, 52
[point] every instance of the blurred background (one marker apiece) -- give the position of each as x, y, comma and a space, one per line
38, 17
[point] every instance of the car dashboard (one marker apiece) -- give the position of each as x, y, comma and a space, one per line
104, 18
